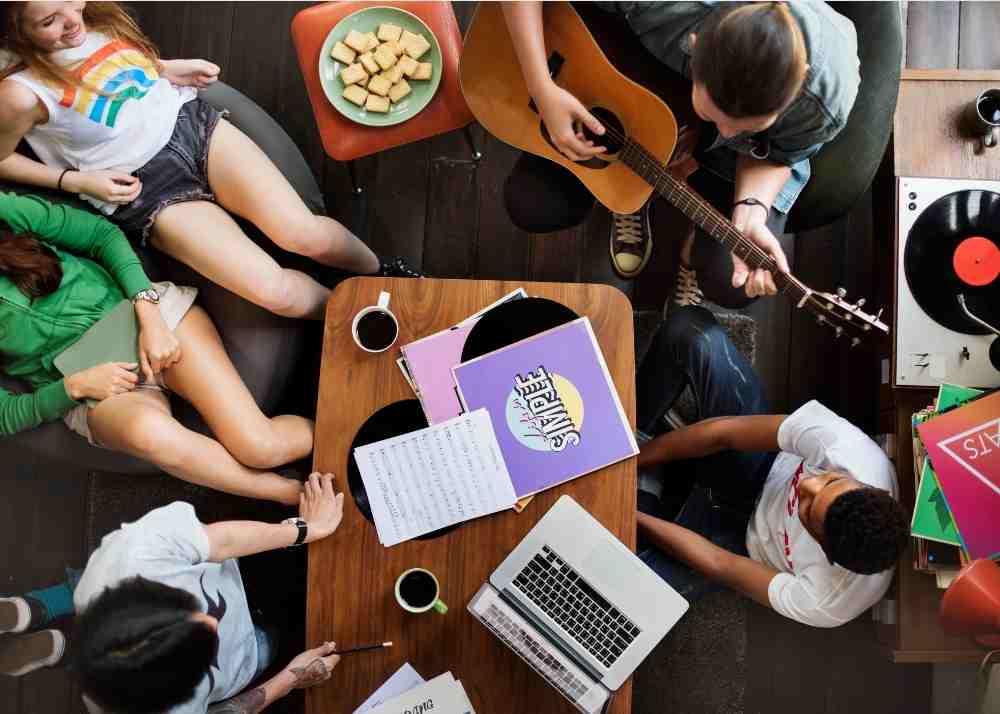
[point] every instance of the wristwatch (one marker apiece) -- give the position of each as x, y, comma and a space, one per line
149, 295
303, 530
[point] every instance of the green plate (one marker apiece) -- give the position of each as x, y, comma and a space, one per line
368, 20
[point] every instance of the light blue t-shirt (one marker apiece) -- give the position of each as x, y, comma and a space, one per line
170, 546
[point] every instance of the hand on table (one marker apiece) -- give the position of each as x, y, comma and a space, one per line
320, 507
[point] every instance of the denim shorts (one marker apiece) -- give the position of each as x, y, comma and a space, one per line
178, 173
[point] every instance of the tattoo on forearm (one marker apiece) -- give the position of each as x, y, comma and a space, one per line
250, 702
314, 673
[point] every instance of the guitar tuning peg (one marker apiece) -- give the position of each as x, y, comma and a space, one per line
878, 315
855, 341
841, 293
820, 319
860, 302
838, 331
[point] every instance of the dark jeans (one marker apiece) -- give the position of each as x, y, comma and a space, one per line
542, 197
713, 495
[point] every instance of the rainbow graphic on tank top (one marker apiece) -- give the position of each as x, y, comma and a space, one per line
120, 73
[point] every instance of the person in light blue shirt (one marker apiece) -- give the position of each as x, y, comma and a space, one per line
774, 82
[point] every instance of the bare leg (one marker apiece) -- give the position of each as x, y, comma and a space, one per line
207, 379
206, 238
139, 423
246, 182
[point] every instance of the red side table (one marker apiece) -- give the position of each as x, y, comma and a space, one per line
345, 140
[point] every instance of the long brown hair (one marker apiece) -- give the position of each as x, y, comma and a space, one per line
109, 18
752, 59
32, 266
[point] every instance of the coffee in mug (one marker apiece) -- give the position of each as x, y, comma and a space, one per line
417, 591
375, 328
982, 117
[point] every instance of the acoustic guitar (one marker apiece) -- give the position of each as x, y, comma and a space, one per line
641, 136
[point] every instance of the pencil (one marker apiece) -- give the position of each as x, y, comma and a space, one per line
364, 648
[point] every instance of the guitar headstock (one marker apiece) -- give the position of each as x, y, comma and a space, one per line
845, 318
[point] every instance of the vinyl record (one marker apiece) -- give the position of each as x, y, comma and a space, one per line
389, 421
934, 247
512, 322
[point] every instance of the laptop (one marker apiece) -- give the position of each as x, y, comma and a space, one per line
577, 605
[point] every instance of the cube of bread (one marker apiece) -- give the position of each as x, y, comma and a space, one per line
356, 94
343, 53
379, 85
425, 70
414, 45
394, 46
393, 74
375, 103
353, 74
387, 32
372, 42
408, 64
399, 90
357, 41
385, 57
368, 60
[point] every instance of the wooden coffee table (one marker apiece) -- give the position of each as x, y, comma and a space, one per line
351, 576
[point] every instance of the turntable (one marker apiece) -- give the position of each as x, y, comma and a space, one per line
947, 323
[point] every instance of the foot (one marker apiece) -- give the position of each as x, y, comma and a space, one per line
631, 242
15, 614
26, 653
398, 268
686, 290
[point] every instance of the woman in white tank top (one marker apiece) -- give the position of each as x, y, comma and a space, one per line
90, 96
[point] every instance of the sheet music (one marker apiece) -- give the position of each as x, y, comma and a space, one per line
434, 477
405, 679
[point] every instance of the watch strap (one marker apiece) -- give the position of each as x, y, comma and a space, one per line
303, 530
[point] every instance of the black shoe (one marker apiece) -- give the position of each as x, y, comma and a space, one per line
398, 268
631, 242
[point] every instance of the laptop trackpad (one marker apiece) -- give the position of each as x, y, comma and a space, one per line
619, 573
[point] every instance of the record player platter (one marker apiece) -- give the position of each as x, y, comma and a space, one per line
953, 249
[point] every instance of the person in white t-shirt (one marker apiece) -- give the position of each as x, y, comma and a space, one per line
111, 121
798, 512
163, 623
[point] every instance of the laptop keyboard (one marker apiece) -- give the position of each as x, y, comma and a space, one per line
534, 652
581, 611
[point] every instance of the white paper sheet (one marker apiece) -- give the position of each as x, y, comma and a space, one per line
404, 679
434, 477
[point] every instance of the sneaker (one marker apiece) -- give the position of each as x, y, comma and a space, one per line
26, 653
686, 290
631, 242
398, 268
15, 614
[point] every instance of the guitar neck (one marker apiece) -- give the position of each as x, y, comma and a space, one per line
704, 215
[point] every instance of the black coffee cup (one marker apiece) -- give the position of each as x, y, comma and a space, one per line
982, 117
375, 328
417, 591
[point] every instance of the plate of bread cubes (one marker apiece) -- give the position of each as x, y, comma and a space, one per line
380, 66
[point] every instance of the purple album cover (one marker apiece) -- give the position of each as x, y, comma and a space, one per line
554, 408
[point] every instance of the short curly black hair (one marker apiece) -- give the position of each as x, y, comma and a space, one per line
865, 530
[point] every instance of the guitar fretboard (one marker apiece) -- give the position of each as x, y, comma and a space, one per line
703, 214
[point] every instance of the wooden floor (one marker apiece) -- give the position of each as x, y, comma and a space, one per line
430, 203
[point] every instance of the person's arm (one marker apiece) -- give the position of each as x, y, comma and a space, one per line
20, 412
309, 669
709, 436
559, 109
319, 507
734, 571
189, 72
20, 110
762, 180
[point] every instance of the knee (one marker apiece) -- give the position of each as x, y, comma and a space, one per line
259, 448
689, 332
275, 292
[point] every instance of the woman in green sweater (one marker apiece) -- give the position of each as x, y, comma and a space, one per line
62, 270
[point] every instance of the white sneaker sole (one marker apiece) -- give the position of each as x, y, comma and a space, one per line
58, 650
23, 614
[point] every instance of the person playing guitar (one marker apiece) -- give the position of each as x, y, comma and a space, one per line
776, 80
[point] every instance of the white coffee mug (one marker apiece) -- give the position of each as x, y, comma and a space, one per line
381, 307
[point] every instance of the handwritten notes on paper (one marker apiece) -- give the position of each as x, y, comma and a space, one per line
435, 477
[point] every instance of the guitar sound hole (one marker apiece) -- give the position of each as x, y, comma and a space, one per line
612, 126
